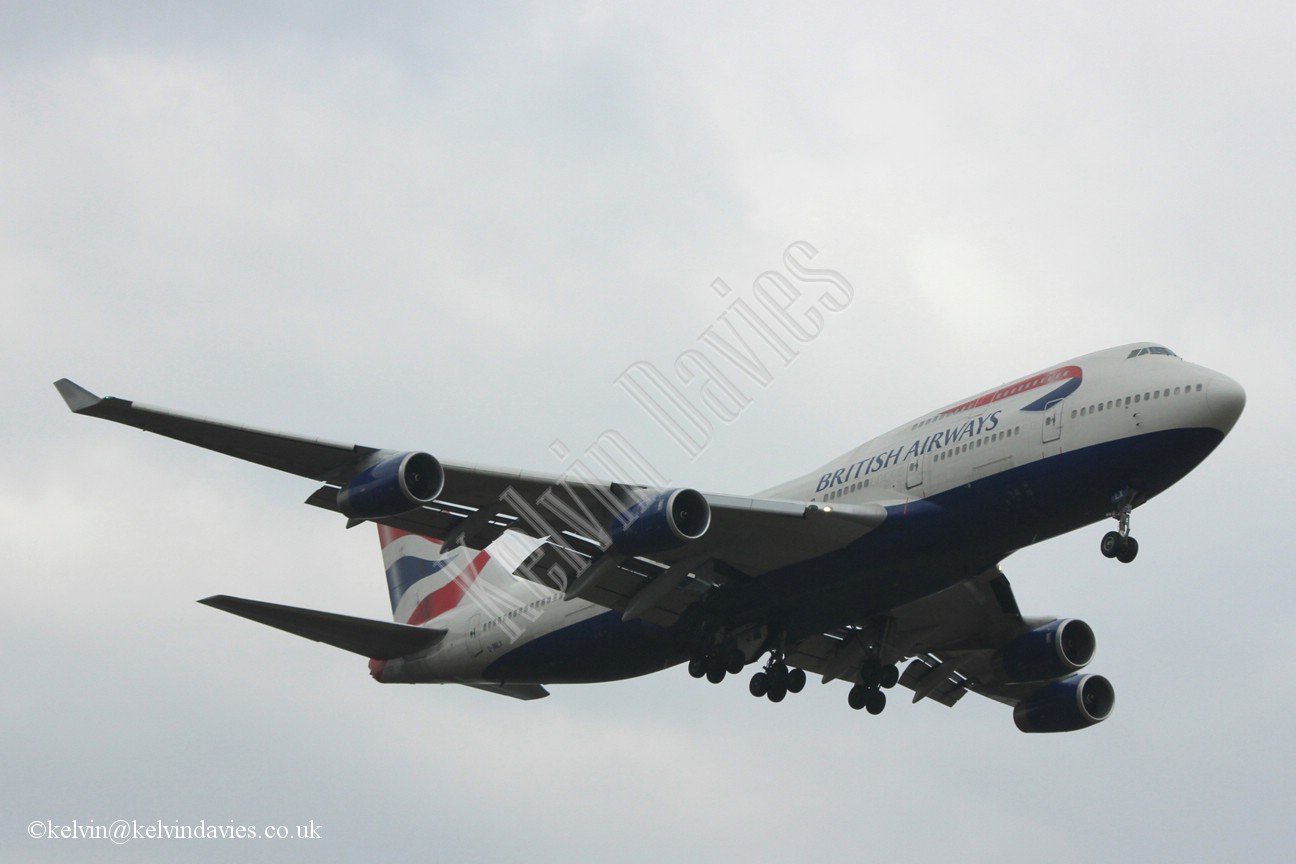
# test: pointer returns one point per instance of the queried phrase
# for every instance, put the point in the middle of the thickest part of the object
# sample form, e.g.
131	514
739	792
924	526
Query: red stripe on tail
448	596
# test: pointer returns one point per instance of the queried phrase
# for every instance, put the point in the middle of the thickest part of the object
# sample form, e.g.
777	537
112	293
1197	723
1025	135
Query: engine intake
665	521
395	485
1052	651
1064	706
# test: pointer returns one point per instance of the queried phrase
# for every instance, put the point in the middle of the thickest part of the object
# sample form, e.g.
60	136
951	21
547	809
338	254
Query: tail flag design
424	581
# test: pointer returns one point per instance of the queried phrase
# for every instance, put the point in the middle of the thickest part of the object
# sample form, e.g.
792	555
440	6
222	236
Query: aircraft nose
1226	399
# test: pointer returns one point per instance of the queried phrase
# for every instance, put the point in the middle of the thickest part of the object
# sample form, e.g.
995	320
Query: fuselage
963	486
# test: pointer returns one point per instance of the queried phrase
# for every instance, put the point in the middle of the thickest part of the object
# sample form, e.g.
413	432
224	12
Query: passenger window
1136	398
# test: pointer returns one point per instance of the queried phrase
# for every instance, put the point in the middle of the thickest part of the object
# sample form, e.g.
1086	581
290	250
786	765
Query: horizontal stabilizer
517	691
379	640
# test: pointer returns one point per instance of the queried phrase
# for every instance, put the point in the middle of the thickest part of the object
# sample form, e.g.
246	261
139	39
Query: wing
745	537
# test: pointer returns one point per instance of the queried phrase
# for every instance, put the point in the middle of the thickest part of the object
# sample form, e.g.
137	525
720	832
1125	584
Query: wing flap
379	640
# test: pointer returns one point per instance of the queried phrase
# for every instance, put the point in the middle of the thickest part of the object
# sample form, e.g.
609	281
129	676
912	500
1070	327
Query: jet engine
1052	651
1064	706
395	485
665	521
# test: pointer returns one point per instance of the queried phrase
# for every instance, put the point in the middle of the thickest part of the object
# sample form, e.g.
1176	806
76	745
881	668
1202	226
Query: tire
1111	544
736	661
857	697
697	667
796	680
890	676
778	677
759	685
1128	551
876	702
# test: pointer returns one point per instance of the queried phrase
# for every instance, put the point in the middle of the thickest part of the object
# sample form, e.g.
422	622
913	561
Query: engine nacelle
1052	651
666	521
1064	706
393	486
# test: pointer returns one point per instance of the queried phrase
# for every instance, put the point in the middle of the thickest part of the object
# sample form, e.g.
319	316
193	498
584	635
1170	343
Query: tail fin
425	580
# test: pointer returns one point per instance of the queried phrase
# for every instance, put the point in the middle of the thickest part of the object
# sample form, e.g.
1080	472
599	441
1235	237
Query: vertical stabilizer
408	559
426	580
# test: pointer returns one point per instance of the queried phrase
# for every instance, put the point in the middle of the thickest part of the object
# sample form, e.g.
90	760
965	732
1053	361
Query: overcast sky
456	230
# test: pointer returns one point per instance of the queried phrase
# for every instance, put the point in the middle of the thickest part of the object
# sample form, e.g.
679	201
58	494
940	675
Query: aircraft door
914	473
1053	421
474	635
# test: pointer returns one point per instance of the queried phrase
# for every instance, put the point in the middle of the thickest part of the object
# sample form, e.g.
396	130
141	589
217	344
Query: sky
462	228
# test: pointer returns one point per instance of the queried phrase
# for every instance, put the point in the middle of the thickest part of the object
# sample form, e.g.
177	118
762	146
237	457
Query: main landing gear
777	680
717	662
873	679
1119	544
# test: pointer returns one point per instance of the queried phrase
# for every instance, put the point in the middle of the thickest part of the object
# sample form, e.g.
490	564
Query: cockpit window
1152	349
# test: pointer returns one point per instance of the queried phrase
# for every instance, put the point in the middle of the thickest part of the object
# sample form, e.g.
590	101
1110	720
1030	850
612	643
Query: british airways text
951	435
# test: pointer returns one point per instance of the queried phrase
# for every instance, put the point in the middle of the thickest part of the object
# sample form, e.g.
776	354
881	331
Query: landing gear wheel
736	661
858	696
716	667
1128	550
697	667
796	680
876	702
890	676
759	685
1111	544
776	676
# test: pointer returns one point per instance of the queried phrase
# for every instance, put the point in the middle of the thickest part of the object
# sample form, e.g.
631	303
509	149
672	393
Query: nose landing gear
1119	544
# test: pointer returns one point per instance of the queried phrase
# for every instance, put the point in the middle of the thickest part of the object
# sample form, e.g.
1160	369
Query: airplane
509	581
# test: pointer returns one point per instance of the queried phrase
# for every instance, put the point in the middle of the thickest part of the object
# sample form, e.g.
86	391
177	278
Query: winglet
77	397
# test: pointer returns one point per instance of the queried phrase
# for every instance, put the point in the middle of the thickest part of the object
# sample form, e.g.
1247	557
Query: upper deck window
1152	349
